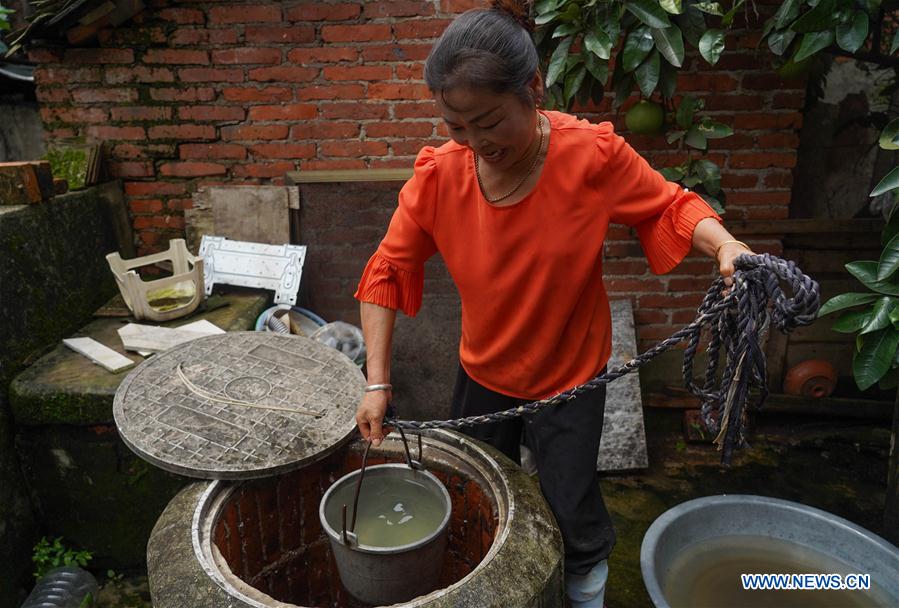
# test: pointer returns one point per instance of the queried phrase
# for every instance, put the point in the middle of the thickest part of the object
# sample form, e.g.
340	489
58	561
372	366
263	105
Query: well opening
267	532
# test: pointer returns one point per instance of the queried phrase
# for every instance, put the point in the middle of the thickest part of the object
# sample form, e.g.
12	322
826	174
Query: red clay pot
811	378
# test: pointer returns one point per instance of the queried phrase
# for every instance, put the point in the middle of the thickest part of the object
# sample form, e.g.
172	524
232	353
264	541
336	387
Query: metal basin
715	517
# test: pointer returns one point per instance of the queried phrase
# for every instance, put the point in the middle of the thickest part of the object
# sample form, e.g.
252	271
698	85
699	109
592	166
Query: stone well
259	542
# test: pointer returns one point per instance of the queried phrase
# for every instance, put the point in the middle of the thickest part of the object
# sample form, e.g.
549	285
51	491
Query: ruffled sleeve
663	213
394	275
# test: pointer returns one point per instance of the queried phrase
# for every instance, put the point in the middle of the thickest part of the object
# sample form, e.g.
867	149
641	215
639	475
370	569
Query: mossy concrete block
64	387
89	488
54	272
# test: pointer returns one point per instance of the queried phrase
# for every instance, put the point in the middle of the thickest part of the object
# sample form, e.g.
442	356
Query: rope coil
737	324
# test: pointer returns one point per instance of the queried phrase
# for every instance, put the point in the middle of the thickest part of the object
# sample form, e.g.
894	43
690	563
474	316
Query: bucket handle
349	536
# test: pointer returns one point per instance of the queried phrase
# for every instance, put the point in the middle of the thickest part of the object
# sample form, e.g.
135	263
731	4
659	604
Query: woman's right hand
370	415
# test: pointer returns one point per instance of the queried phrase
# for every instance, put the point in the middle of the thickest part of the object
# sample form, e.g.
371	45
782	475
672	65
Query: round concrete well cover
232	410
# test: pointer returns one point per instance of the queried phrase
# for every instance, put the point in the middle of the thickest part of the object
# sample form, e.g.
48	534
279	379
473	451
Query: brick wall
192	93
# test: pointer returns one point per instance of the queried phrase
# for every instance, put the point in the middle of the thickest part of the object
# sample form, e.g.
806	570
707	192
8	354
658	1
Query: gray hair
483	48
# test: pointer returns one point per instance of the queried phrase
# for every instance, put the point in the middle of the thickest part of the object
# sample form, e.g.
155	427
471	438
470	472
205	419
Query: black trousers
565	442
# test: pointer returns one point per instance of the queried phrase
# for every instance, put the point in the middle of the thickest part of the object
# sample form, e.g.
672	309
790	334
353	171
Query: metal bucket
711	517
385	575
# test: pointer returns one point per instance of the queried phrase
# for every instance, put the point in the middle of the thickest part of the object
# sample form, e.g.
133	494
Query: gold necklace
477	169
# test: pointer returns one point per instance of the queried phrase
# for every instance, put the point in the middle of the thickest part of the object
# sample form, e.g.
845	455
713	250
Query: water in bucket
393	510
707	574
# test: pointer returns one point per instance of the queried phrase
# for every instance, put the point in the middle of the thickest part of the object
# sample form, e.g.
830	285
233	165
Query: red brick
138	113
324	130
39	55
411	147
158	221
667	301
104	95
354	148
131	37
179	204
331	165
634	285
683	317
623	267
263	170
181	132
415	71
269	94
358	72
399	129
300	111
706	82
740	160
357	111
340	91
398	8
789	101
396	52
123	133
731	180
649	316
779	140
211	75
233	151
205	113
143	150
329	55
138	74
182	15
196	37
192	169
692	284
416	110
61	133
769	213
459	6
73	115
739	101
766	82
52	95
247	56
87	56
276	34
780	179
245	13
254	132
58	75
151	205
759	198
176	56
131	169
283	150
623	250
151	188
355	33
319	11
187	94
417	29
283	74
398	91
736	61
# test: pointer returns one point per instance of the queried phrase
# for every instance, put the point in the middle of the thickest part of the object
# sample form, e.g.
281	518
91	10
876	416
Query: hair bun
518	10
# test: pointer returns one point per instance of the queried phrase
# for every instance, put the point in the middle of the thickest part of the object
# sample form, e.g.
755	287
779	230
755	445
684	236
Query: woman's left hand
726	255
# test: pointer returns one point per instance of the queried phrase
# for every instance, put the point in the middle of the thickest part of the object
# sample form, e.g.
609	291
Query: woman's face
499	128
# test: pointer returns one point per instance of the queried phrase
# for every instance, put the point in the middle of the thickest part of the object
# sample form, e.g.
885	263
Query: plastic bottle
64	587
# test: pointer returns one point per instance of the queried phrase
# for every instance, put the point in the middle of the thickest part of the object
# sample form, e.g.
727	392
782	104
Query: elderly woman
518	205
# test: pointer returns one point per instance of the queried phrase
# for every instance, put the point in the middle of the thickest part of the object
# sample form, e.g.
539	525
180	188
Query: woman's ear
536	88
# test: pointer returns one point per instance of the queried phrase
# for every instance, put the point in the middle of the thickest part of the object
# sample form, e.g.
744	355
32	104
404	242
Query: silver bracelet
378	387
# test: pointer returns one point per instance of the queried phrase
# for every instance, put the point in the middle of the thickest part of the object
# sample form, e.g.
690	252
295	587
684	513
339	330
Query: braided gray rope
737	324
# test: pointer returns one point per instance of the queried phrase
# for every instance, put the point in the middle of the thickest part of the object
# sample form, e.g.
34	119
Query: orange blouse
535	314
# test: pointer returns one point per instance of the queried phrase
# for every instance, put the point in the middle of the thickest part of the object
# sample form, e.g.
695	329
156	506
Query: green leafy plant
873	315
577	40
49	554
4	25
702	175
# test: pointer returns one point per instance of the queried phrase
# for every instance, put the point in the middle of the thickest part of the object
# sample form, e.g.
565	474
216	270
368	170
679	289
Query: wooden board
257	214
